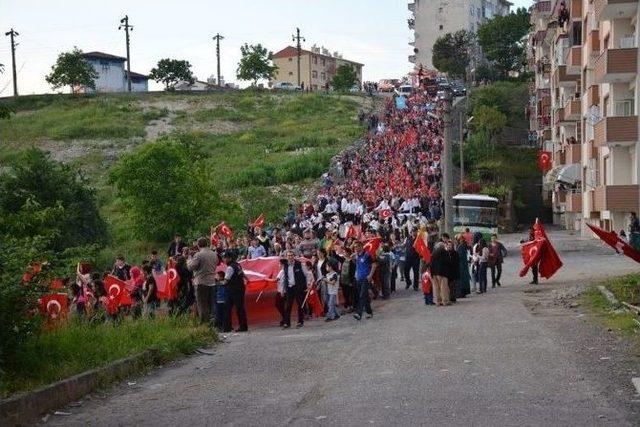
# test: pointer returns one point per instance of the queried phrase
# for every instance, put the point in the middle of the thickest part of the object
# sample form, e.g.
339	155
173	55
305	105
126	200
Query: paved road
492	360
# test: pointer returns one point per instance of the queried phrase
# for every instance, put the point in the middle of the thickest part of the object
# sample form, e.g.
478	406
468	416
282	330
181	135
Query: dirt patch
68	151
159	127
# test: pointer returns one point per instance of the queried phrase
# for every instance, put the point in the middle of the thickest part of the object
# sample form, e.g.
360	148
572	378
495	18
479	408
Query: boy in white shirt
333	286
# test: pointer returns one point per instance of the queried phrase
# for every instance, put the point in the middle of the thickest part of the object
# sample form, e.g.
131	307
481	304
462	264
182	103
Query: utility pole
462	124
217	38
297	39
447	172
13	33
124	23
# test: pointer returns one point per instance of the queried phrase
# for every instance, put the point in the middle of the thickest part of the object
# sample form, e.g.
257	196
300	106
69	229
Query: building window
290	59
441	27
291	73
324	62
323	76
472	10
473	28
315	60
314	74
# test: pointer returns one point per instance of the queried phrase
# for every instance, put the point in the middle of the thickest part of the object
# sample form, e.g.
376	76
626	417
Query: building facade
431	19
112	74
583	108
317	67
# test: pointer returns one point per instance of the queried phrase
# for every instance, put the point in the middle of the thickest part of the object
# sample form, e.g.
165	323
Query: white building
434	18
112	74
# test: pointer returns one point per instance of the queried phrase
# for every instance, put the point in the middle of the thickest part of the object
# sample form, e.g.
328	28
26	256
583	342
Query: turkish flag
54	306
613	240
225	230
544	160
314	302
371	246
259	222
116	290
420	245
531	254
167	283
385	214
351	232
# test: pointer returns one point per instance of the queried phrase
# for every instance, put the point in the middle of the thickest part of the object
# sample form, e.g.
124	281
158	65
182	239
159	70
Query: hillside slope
263	148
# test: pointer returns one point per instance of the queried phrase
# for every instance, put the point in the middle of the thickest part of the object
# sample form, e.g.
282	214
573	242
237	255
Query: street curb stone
609	296
25	408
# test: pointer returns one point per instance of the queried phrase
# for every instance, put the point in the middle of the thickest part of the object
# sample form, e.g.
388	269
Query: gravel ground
517	356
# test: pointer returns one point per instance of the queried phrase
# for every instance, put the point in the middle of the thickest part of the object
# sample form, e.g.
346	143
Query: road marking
636	383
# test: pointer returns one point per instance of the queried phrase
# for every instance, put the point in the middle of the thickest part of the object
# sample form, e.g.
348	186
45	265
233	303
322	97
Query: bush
304	166
162	191
42	197
259	174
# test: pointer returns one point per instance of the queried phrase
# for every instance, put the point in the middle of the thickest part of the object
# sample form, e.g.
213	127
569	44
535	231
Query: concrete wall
110	76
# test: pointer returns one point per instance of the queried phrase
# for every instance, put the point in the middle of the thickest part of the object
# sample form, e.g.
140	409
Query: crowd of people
385	190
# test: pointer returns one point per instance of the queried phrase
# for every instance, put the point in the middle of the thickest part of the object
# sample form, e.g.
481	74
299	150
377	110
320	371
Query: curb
23	409
609	296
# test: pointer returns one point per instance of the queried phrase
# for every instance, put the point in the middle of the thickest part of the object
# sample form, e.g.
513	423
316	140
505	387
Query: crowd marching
375	223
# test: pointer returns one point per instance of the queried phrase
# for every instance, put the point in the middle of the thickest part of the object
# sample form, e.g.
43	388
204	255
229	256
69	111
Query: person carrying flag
365	268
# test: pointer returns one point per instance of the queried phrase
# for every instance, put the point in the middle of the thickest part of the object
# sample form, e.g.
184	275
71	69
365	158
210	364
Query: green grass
625	288
81	346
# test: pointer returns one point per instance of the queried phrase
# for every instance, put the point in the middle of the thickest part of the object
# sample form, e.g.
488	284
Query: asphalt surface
511	357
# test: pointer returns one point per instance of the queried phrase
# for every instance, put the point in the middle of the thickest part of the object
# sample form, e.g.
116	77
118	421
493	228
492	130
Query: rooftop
102	55
290	51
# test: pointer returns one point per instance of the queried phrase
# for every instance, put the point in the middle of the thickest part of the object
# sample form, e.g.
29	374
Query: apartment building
431	19
583	108
317	66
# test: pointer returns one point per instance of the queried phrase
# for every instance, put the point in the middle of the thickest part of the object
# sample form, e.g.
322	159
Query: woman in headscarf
463	287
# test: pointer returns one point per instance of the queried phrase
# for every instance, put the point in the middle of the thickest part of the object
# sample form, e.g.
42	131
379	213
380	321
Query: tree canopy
452	53
255	63
163	189
72	70
172	71
502	40
345	78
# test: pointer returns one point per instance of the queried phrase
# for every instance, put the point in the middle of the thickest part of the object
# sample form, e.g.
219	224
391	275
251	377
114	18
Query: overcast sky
373	32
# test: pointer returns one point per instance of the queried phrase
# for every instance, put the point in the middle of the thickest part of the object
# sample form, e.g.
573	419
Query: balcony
412	7
559	158
616	65
614	9
412	23
542	7
412	59
593	95
561	196
616	131
559	117
593	42
592	150
576	10
617	198
573	203
546	135
572	110
563	78
574	60
573	154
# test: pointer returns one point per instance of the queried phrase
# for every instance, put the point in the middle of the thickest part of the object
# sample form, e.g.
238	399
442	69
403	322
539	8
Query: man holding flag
365	268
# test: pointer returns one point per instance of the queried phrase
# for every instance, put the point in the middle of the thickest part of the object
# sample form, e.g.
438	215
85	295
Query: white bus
477	212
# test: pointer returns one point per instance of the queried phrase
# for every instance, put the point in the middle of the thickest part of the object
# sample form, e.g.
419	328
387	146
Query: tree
42	197
452	52
255	63
72	70
172	71
163	190
503	40
345	78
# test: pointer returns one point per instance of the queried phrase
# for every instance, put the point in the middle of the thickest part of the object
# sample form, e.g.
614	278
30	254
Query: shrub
259	174
162	190
304	166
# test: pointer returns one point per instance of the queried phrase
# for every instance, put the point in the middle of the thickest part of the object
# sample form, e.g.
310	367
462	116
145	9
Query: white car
286	86
406	89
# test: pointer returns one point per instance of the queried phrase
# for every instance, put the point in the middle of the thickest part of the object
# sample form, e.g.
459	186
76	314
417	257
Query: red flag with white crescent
385	214
371	246
116	291
531	254
54	306
544	161
259	222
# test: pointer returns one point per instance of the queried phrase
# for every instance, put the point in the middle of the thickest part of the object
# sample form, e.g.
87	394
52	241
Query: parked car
354	89
286	86
458	90
406	89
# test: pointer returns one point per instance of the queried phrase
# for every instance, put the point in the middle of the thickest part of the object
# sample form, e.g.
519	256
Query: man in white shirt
293	280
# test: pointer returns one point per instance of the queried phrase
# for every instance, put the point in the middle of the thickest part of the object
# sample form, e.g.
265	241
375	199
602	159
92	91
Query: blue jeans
428	298
332	311
482	277
364	301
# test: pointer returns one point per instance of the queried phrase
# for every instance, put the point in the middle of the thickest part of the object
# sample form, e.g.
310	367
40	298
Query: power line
124	23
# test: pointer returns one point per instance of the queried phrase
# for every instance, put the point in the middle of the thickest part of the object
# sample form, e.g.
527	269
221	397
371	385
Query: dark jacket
440	262
172	251
410	252
298	275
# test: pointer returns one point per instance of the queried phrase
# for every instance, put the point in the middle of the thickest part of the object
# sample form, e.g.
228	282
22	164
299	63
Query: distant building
432	19
317	67
196	86
112	74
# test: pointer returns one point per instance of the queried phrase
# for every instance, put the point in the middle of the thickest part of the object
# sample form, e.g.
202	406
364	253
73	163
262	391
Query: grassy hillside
262	147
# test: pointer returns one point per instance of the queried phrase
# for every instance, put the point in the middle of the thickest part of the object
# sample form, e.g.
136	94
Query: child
332	290
148	291
221	307
426	288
